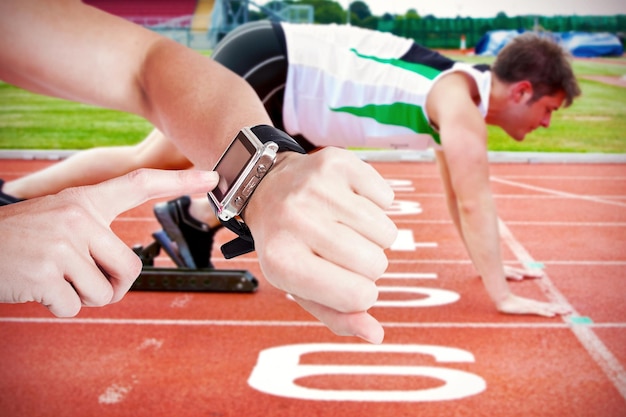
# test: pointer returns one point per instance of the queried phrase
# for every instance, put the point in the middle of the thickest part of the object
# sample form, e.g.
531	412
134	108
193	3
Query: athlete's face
527	116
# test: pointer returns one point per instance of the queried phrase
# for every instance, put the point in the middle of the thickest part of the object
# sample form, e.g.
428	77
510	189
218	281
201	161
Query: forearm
451	202
476	233
479	228
196	102
465	178
73	51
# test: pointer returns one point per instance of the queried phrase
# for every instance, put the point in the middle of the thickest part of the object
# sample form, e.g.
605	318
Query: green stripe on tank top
406	115
398	114
423	70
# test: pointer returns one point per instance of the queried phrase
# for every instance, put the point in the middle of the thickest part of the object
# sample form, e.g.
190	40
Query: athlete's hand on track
514	304
320	232
518	274
59	250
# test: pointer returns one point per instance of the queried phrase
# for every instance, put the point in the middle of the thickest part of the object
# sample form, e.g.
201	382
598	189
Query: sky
489	8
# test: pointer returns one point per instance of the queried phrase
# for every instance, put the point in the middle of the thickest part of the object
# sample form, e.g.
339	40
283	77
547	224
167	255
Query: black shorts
257	51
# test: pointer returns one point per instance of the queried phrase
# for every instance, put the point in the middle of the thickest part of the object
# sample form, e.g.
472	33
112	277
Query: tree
360	9
412	14
326	11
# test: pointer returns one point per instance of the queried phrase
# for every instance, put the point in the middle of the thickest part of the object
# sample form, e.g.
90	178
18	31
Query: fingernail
210	176
375	338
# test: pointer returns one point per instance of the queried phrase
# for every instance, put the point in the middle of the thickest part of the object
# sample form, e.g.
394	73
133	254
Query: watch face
233	163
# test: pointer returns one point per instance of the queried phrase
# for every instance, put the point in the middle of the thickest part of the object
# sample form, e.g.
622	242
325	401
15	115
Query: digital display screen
232	164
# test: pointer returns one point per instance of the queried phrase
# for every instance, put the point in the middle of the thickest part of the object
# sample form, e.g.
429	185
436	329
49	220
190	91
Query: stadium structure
200	24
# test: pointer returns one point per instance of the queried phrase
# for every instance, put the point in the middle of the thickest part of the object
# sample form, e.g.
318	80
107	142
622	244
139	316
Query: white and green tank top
352	87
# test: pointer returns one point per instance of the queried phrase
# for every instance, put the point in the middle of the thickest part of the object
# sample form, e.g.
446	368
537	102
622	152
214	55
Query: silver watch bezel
239	192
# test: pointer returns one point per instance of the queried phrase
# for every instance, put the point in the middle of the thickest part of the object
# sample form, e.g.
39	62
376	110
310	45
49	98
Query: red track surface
193	354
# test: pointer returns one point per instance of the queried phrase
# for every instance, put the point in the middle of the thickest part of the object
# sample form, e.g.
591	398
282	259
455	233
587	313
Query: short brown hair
540	60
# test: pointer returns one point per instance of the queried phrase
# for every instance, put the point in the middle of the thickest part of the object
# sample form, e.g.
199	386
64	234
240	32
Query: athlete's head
542	62
539	80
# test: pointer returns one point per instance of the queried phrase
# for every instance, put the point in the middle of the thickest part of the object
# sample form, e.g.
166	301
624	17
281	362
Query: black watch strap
240	245
244	243
267	133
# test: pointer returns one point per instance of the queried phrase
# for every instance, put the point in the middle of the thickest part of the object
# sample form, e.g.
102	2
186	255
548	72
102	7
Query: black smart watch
241	168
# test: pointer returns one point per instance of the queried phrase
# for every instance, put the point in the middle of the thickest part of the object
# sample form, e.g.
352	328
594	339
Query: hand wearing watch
246	161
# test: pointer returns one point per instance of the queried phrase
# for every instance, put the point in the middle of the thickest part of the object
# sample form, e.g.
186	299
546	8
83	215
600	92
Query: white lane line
434	221
521	223
280	323
467	262
447	262
586	263
590	341
560	193
568	224
409	275
569	177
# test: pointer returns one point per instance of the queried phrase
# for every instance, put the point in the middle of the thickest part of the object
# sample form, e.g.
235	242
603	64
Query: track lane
193	353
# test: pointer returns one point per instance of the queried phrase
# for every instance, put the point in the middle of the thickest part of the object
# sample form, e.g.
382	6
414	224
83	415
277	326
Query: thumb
118	195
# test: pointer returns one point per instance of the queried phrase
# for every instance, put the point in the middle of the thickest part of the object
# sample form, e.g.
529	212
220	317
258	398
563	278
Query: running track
446	351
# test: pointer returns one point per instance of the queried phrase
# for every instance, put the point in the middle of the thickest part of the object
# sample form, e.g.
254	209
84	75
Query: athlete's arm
67	49
451	201
510	272
466	180
73	51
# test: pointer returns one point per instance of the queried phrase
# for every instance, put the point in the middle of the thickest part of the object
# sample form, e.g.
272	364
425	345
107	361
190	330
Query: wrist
247	161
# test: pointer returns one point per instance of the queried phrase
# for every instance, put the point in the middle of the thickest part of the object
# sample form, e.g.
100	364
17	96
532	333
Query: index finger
118	195
360	324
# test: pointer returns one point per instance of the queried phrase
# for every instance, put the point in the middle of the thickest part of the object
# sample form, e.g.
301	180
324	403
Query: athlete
347	86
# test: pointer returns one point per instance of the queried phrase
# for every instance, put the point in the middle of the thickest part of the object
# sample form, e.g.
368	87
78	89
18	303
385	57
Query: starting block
186	279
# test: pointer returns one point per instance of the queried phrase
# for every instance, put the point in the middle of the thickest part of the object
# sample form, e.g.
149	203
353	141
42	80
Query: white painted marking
524	223
278	371
401	185
408	275
150	343
568	177
559	193
592	343
276	323
181	301
404	208
114	394
405	242
429	297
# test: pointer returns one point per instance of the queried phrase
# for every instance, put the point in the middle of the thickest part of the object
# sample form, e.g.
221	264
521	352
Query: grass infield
596	122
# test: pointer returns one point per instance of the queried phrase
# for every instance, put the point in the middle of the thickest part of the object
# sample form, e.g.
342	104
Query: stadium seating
146	11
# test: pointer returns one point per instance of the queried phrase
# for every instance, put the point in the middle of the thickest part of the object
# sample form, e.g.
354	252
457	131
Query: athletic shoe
6	199
193	239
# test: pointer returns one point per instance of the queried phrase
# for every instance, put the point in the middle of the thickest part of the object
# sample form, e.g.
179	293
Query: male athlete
345	86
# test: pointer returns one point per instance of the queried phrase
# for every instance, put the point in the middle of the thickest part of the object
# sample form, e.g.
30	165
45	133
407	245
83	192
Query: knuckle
389	233
371	263
71	214
100	298
63	249
379	264
134	267
139	177
277	263
47	274
359	299
333	159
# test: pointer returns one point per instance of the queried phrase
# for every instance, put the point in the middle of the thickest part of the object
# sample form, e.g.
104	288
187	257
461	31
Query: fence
446	33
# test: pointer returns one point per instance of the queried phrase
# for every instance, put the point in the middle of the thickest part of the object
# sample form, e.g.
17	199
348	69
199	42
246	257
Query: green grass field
596	122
